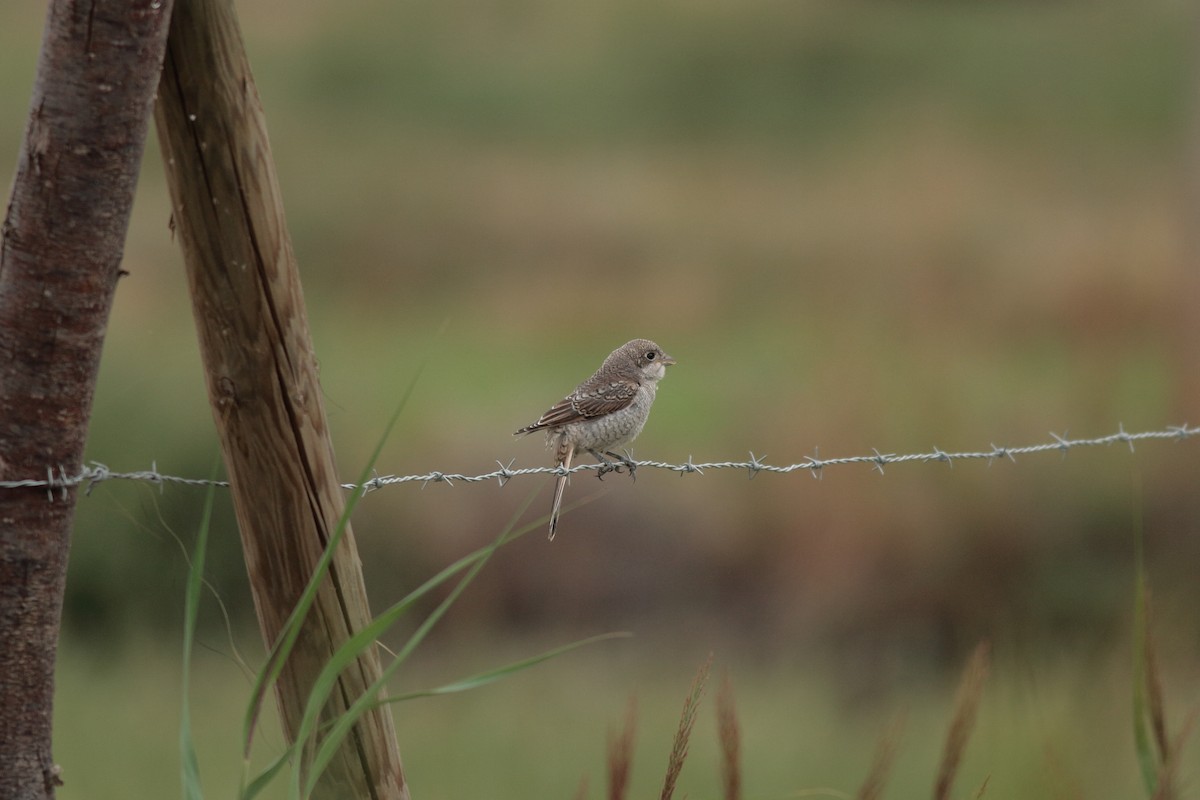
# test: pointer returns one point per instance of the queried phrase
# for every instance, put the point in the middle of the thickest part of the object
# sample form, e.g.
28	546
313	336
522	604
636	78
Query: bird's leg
626	460
606	466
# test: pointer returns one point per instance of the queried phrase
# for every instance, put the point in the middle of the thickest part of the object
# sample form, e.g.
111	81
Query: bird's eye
651	355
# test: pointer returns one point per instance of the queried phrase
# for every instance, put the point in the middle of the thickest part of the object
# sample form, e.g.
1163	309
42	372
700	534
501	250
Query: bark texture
60	256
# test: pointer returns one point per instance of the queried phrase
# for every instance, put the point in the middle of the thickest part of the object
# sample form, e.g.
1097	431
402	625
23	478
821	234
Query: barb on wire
96	473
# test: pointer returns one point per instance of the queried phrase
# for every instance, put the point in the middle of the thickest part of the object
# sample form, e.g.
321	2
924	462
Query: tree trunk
60	255
262	380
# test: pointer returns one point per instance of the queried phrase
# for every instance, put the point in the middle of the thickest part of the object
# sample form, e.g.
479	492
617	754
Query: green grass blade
291	631
326	682
1147	759
368	700
264	778
342	725
190	765
493	675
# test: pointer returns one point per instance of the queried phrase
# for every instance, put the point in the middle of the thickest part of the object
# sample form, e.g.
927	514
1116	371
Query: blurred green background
856	225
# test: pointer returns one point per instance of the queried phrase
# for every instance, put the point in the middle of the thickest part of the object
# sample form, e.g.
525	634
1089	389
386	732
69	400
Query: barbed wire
96	473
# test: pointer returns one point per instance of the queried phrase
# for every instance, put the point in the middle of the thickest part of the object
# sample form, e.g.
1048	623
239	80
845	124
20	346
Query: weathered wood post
262	377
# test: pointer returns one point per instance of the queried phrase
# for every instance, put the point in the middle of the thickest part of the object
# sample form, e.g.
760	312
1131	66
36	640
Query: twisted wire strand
96	473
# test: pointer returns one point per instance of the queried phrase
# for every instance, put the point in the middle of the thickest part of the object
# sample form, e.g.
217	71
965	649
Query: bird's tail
560	487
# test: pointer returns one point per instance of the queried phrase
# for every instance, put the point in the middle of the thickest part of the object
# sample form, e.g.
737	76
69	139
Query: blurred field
1042	731
856	225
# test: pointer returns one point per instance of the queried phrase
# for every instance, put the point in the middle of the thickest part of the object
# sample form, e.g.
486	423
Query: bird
606	411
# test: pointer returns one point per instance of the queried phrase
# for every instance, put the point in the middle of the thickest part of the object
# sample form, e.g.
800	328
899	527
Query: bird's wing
587	402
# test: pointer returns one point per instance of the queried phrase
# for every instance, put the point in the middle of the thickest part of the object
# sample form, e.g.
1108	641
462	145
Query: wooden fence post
262	378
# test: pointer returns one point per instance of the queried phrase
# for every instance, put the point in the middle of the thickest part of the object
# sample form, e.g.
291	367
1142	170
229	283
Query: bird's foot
626	461
606	467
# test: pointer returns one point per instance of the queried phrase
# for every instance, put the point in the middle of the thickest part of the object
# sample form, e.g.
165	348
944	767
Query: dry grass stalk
1166	789
966	704
731	739
885	756
683	735
620	754
1168	750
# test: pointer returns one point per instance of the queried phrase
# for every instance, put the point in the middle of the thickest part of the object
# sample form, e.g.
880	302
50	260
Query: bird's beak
667	360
